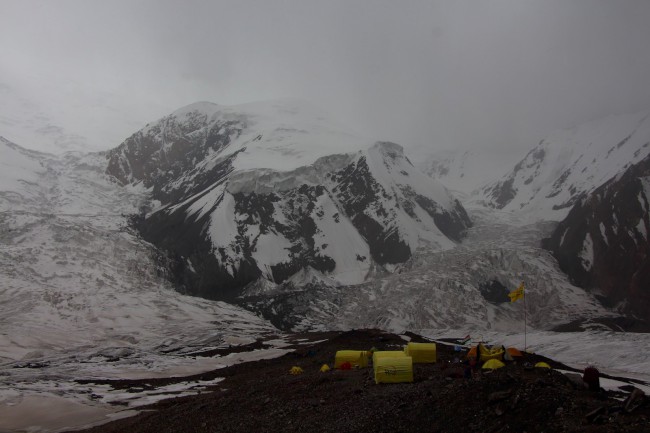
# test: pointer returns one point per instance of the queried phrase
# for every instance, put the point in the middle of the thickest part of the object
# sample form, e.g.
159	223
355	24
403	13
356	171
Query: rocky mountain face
603	242
569	165
273	191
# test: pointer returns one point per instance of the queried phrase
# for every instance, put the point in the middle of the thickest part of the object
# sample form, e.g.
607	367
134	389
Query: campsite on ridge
441	398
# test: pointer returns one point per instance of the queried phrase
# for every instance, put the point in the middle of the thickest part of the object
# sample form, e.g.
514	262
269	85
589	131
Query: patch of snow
587	253
641	228
342	242
603	234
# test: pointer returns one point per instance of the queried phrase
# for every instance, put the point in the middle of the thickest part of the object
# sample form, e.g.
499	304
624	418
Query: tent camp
356	358
421	352
393	370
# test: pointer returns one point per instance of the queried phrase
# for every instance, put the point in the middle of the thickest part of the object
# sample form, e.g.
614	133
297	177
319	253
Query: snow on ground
615	353
49	397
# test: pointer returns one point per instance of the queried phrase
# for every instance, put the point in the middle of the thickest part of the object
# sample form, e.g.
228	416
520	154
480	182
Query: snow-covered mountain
603	243
75	277
271	190
568	165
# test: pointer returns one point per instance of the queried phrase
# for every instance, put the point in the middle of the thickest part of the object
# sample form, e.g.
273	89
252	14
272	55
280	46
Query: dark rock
499	395
576	380
634	400
603	245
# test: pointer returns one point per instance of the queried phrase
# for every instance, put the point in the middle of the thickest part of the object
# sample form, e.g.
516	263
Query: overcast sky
496	74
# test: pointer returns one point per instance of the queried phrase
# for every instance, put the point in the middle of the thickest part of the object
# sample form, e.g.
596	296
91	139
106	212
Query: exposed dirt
262	396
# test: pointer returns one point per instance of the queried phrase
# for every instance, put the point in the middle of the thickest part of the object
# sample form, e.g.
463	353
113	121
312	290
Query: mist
496	76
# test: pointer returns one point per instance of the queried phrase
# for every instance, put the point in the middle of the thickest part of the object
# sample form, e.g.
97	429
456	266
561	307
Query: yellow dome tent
493	364
296	370
487	354
542	364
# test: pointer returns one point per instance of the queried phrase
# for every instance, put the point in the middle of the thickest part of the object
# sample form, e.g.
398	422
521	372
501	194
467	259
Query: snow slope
19	169
75	277
570	164
465	170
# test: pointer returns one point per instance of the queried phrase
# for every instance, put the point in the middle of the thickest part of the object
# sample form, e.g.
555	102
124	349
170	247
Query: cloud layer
498	74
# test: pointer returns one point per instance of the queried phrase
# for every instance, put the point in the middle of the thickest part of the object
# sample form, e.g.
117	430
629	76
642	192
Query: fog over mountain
496	75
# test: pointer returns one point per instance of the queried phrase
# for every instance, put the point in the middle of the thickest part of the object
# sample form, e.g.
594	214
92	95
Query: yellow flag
517	294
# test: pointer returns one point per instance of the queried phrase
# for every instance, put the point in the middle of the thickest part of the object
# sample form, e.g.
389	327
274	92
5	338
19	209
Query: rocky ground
262	396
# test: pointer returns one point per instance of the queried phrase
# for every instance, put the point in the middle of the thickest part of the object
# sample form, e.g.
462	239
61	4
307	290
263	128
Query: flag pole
525	318
516	295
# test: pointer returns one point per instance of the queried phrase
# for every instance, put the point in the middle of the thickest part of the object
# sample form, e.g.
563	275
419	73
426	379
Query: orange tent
513	351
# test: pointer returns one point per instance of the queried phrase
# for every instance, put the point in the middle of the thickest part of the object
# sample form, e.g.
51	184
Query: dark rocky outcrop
603	242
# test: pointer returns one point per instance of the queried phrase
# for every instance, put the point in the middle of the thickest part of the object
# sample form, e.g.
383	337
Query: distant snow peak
568	165
465	170
268	190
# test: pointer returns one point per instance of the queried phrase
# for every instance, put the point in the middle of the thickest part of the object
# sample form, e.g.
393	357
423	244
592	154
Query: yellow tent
487	354
387	354
493	364
393	370
325	368
542	364
421	352
295	370
356	358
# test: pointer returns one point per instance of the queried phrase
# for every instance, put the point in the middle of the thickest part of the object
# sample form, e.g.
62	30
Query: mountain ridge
568	165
